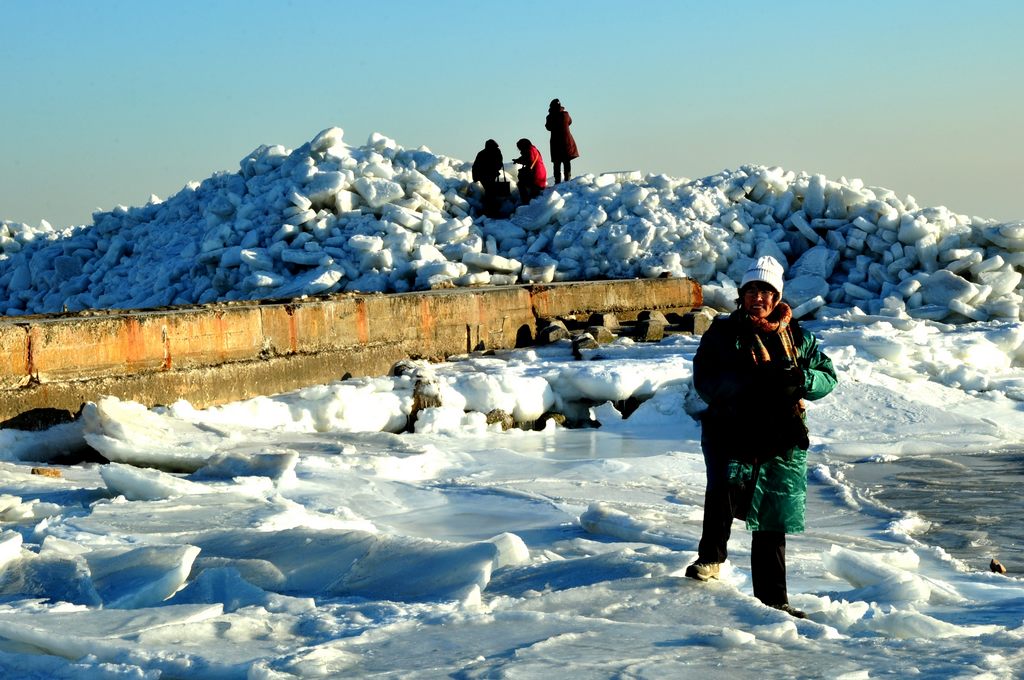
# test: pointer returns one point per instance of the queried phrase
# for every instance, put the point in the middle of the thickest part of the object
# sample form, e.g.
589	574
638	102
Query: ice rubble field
329	217
300	535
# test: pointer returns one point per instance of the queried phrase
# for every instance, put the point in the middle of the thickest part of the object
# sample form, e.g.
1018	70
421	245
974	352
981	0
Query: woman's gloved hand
791	380
779	379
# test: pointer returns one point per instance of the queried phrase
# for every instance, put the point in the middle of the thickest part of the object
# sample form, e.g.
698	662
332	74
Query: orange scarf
776	331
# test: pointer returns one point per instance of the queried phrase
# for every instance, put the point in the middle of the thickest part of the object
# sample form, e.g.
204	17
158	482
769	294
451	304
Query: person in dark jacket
533	176
563	146
486	166
754	368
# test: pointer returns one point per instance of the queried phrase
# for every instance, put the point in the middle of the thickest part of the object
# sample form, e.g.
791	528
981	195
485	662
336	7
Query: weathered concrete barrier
219	353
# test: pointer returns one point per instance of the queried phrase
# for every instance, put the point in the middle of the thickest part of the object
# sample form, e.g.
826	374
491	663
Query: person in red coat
533	177
563	146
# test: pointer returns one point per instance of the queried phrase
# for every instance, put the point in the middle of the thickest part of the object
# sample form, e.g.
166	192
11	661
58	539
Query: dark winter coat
563	146
754	425
487	165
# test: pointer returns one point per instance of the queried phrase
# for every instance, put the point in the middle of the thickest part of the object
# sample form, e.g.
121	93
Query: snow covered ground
311	534
303	536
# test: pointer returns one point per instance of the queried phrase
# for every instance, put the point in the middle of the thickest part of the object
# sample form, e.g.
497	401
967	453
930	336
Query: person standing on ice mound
486	166
533	177
754	368
563	146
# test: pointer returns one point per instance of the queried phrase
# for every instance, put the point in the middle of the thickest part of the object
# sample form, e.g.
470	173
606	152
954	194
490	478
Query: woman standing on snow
753	368
563	146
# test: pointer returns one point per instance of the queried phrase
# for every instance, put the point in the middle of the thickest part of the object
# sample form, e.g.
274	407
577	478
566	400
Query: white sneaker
703	571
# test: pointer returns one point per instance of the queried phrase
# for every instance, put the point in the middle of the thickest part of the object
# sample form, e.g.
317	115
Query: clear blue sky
105	102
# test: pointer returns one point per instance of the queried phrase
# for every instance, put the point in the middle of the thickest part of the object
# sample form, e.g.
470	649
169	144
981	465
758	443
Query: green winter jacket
747	420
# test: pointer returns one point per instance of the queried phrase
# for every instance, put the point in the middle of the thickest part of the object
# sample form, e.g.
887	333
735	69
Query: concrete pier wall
220	353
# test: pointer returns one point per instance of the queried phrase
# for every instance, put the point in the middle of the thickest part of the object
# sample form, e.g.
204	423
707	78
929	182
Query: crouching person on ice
754	368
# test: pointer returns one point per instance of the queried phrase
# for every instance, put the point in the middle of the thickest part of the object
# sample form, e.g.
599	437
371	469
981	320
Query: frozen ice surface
319	548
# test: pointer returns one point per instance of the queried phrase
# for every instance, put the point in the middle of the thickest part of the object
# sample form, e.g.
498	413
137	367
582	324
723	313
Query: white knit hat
767	270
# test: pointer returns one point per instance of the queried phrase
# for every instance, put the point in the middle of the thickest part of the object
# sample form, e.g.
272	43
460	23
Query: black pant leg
768	567
717	524
557	165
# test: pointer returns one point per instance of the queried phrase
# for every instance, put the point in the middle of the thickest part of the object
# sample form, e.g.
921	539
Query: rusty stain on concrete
362	321
427	321
293	330
165	342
